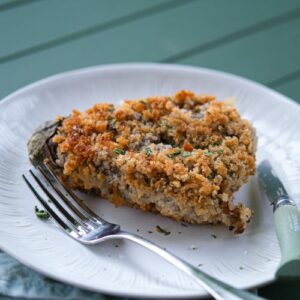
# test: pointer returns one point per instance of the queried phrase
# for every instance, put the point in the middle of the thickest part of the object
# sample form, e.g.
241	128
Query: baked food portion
182	156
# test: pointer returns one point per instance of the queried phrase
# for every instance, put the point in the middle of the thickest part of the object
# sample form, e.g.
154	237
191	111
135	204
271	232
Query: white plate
244	261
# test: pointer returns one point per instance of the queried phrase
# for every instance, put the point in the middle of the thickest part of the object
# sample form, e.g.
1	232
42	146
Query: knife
287	221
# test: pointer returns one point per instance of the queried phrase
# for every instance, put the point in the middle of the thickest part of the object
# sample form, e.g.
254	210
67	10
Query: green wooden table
257	39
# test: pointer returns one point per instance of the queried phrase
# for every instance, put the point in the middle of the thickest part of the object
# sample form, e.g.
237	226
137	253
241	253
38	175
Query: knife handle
287	223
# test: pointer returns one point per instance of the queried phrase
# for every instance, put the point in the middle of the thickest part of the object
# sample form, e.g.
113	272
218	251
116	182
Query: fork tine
76	200
44	203
62	192
77	223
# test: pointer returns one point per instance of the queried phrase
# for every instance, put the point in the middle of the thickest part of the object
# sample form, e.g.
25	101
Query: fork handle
218	289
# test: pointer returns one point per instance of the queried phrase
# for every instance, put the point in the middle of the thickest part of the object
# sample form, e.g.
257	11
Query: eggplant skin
182	156
38	144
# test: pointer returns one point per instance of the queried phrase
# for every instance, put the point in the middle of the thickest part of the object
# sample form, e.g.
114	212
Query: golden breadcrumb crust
183	156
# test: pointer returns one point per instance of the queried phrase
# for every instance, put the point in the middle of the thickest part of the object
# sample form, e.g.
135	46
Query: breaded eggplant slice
182	156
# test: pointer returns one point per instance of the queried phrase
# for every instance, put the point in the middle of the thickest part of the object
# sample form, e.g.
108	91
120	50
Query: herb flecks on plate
161	230
41	213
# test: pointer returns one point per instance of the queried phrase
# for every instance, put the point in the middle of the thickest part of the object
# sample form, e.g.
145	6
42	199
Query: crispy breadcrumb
182	156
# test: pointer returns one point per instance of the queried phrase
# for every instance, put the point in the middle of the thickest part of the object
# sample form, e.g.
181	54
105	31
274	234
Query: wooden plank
291	89
263	57
11	4
42	21
4	2
150	39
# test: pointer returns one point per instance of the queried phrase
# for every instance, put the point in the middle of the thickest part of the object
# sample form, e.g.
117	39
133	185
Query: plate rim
135	65
149	65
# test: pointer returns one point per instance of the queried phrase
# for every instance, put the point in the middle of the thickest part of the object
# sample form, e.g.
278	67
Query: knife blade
287	221
270	182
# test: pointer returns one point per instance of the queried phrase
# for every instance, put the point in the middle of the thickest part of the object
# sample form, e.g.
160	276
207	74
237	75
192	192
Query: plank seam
234	36
94	29
284	79
15	4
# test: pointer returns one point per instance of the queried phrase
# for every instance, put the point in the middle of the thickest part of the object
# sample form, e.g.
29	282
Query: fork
83	225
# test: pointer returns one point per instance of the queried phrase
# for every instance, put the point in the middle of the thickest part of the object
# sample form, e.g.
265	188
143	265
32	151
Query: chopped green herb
119	151
219	151
111	109
112	122
161	230
216	143
42	214
186	154
148	151
170	98
210	177
207	153
143	101
214	236
175	153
